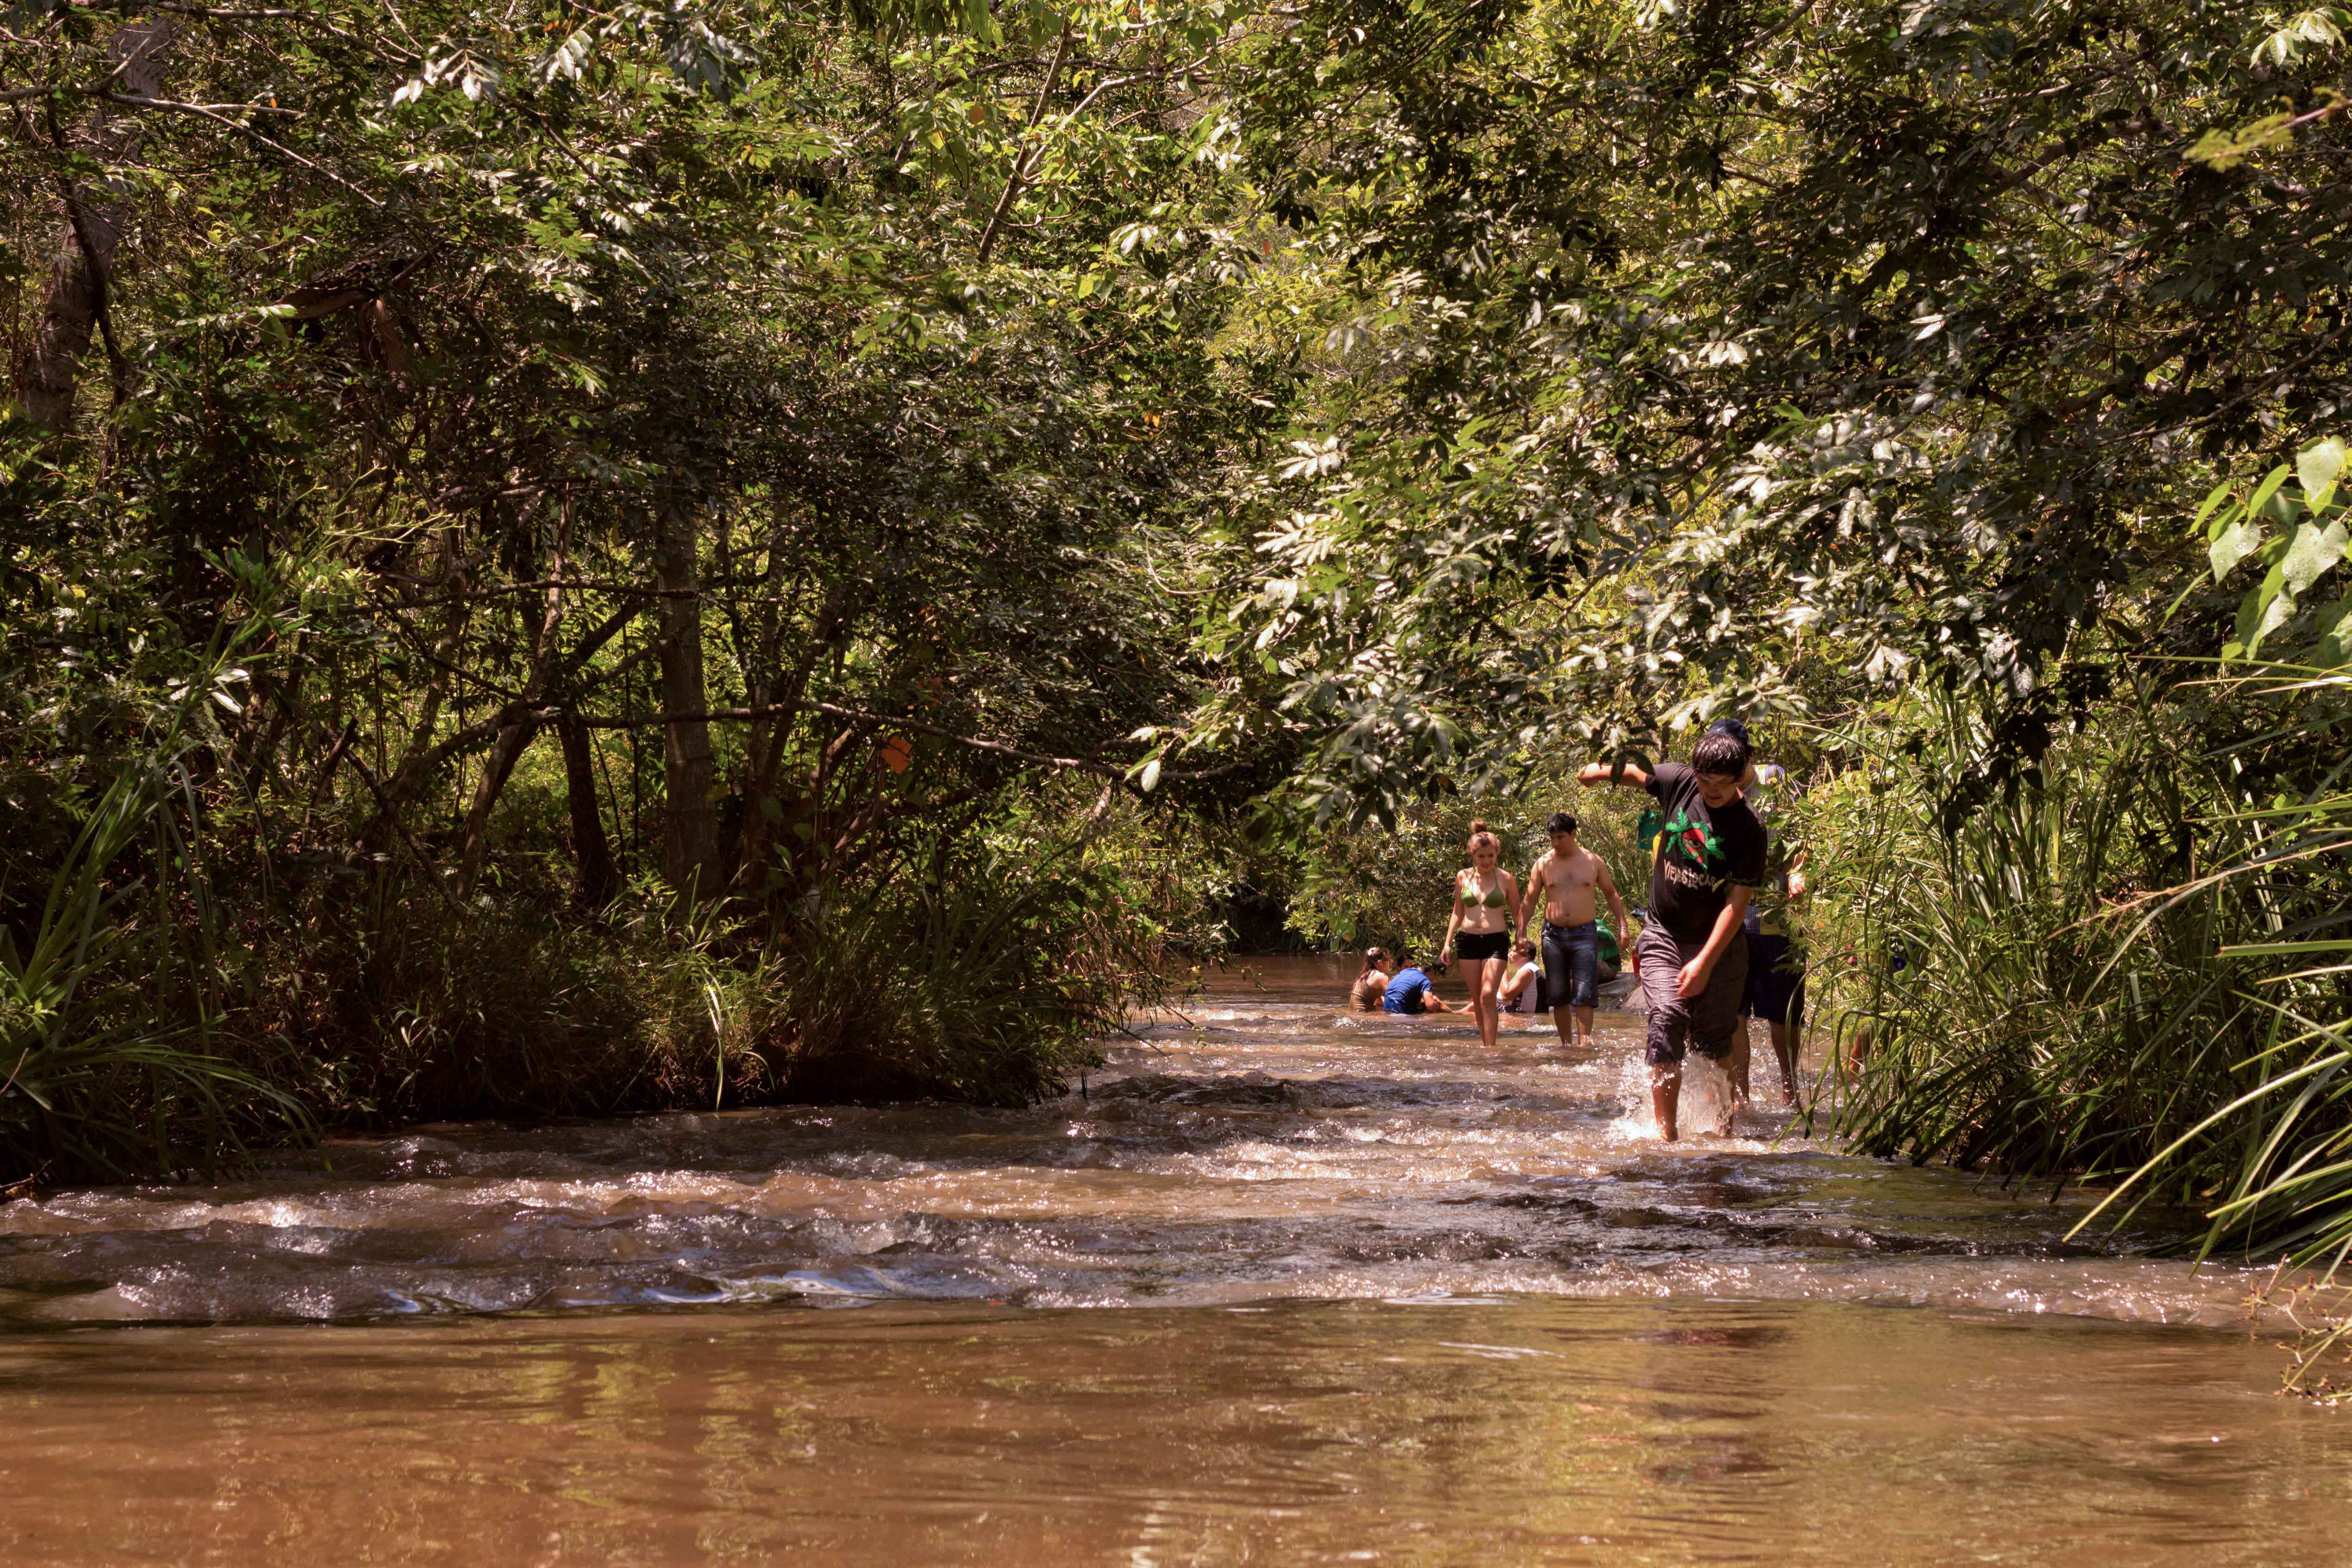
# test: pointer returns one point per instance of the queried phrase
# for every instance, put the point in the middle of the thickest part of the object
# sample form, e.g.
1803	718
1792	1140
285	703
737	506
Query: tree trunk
513	740
83	266
598	879
690	816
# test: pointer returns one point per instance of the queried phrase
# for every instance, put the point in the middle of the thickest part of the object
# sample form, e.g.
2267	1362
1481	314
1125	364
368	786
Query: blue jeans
1572	961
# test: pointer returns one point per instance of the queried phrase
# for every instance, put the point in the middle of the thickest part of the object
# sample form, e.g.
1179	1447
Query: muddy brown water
1284	1286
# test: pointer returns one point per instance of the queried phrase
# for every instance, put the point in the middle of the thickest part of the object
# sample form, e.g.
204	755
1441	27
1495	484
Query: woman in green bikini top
1484	895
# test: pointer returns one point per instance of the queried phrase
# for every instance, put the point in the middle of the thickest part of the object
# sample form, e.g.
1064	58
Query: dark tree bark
599	881
82	271
514	739
690	817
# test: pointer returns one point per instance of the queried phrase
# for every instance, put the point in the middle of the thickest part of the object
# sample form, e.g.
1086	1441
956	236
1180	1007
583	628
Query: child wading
1692	960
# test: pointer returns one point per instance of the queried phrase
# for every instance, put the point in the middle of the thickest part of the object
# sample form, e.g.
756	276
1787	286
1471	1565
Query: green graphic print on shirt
1696	837
1707	851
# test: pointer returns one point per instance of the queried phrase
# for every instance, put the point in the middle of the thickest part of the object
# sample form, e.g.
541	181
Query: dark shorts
1708	1021
1473	946
1572	961
1776	983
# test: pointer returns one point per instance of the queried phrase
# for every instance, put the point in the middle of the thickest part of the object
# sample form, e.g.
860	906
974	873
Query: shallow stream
1357	1290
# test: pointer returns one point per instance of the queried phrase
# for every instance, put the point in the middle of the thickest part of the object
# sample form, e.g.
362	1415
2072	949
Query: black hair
1721	753
1561	822
1734	729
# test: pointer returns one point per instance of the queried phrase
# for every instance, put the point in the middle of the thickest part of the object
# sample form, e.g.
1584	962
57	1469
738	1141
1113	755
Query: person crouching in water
1691	958
1523	982
1371	981
1485	898
1410	992
1570	880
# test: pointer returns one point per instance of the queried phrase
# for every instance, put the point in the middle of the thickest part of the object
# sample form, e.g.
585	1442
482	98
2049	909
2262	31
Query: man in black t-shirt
1709	860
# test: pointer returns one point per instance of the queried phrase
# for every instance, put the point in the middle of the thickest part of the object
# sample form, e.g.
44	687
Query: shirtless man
1565	879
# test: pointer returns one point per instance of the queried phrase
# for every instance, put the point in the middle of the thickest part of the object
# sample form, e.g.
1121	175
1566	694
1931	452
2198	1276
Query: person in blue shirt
1409	992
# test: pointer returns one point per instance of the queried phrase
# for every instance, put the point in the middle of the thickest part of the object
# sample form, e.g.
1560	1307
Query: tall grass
2128	968
171	998
986	974
109	1008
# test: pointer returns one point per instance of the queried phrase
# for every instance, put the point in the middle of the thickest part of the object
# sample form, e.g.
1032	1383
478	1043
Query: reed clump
2127	966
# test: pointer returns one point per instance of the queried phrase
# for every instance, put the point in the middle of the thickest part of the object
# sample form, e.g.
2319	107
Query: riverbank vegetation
578	559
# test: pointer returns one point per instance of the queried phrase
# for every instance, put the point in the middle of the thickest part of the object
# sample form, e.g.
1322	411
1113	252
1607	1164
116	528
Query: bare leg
1584	1026
1486	983
1735	1068
1559	1020
1666	1093
1784	1052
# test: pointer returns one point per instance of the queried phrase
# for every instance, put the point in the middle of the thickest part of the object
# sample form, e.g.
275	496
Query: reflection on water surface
1363	1290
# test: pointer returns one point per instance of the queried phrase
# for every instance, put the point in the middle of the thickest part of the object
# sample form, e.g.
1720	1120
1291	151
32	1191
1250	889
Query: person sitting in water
1410	992
1523	986
1371	981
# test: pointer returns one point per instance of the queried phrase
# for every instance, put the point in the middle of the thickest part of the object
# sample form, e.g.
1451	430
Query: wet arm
1452	920
1625	943
1534	891
1624	775
1726	925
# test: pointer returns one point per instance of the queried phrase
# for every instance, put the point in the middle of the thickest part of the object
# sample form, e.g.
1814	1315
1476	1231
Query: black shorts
1776	983
1473	947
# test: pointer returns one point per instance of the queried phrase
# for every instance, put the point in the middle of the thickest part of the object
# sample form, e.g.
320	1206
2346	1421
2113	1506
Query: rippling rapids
1339	1259
1266	1144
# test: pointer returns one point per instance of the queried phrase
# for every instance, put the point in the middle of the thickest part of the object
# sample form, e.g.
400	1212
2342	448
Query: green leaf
2315	549
2235	543
2220	493
2266	489
2270	604
2318	466
2224	149
2267	949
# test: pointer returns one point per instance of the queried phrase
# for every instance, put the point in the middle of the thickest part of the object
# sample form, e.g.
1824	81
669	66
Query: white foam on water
1298	1155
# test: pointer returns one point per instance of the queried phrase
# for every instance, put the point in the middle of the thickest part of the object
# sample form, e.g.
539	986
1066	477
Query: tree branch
1028	149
